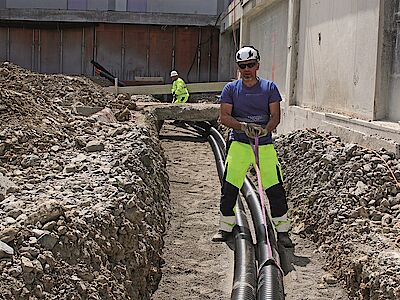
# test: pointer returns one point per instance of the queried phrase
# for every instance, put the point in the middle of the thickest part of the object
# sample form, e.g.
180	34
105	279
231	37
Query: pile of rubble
347	198
82	202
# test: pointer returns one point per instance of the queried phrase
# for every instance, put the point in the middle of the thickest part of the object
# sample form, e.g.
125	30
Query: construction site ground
102	206
196	268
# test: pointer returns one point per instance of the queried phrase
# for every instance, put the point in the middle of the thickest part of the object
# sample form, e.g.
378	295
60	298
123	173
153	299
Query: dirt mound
82	202
347	198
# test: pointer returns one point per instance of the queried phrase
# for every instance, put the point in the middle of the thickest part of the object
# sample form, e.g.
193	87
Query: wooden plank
166	88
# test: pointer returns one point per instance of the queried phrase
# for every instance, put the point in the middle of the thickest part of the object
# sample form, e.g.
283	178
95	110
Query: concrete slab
97	16
183	112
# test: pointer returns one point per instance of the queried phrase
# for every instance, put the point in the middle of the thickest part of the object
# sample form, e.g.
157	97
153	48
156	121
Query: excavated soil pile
82	201
347	199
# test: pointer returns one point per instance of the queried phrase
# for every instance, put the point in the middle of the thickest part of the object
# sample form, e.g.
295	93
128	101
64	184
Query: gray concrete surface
342	63
51	15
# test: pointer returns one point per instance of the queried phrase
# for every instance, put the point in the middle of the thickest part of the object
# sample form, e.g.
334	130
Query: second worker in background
180	93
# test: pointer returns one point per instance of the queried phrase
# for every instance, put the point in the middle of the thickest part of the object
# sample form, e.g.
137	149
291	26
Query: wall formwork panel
126	51
72	41
4	46
186	41
160	51
21	47
136	51
108	47
50	51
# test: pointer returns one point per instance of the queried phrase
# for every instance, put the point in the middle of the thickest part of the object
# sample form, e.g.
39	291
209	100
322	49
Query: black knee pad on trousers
277	200
229	194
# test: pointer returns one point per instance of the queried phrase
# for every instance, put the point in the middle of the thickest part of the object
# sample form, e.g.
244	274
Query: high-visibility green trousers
239	158
182	98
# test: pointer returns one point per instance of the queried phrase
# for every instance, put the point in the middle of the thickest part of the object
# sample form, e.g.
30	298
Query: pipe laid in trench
244	279
270	277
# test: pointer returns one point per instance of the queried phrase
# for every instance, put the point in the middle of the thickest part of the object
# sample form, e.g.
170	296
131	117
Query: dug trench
93	209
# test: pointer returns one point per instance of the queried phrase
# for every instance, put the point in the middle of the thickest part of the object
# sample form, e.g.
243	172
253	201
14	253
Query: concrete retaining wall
341	71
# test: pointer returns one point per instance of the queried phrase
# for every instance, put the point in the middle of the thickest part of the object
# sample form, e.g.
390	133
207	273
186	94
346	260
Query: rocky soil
347	199
82	200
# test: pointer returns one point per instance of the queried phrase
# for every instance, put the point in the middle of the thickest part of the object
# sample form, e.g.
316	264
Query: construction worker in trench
250	106
180	93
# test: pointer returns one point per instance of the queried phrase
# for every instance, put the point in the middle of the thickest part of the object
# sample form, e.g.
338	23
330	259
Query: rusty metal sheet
72	51
214	55
125	50
88	50
186	42
205	52
161	44
21	47
108	47
3	43
136	47
50	47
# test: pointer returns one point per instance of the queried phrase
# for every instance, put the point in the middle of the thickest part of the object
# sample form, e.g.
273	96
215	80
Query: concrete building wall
43	4
204	7
77	4
137	5
337	59
121	5
394	96
343	64
268	33
97	4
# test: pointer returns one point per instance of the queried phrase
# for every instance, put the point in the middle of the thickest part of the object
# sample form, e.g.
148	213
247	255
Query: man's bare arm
225	116
275	117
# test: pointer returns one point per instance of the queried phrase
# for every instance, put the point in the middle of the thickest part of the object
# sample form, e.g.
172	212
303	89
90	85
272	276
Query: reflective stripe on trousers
240	157
227	223
282	224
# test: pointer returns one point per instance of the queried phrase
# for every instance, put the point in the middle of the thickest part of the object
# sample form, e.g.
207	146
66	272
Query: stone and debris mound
347	199
82	202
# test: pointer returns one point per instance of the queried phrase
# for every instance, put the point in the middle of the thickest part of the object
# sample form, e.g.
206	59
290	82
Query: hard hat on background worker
247	53
174	73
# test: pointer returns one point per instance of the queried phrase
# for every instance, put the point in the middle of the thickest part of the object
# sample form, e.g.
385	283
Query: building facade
130	38
335	61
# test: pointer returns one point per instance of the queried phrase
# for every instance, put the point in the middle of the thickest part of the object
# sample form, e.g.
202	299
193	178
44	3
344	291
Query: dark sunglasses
249	65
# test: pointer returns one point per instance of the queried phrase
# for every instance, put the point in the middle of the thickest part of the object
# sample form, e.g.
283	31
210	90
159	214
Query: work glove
253	130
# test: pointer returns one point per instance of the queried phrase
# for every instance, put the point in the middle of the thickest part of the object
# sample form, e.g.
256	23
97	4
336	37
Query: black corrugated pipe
270	277
244	279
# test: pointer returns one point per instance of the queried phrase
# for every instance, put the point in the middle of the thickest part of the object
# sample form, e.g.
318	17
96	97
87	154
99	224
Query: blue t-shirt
250	105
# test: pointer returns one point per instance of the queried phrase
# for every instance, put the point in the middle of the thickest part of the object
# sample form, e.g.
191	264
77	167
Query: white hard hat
247	53
174	73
